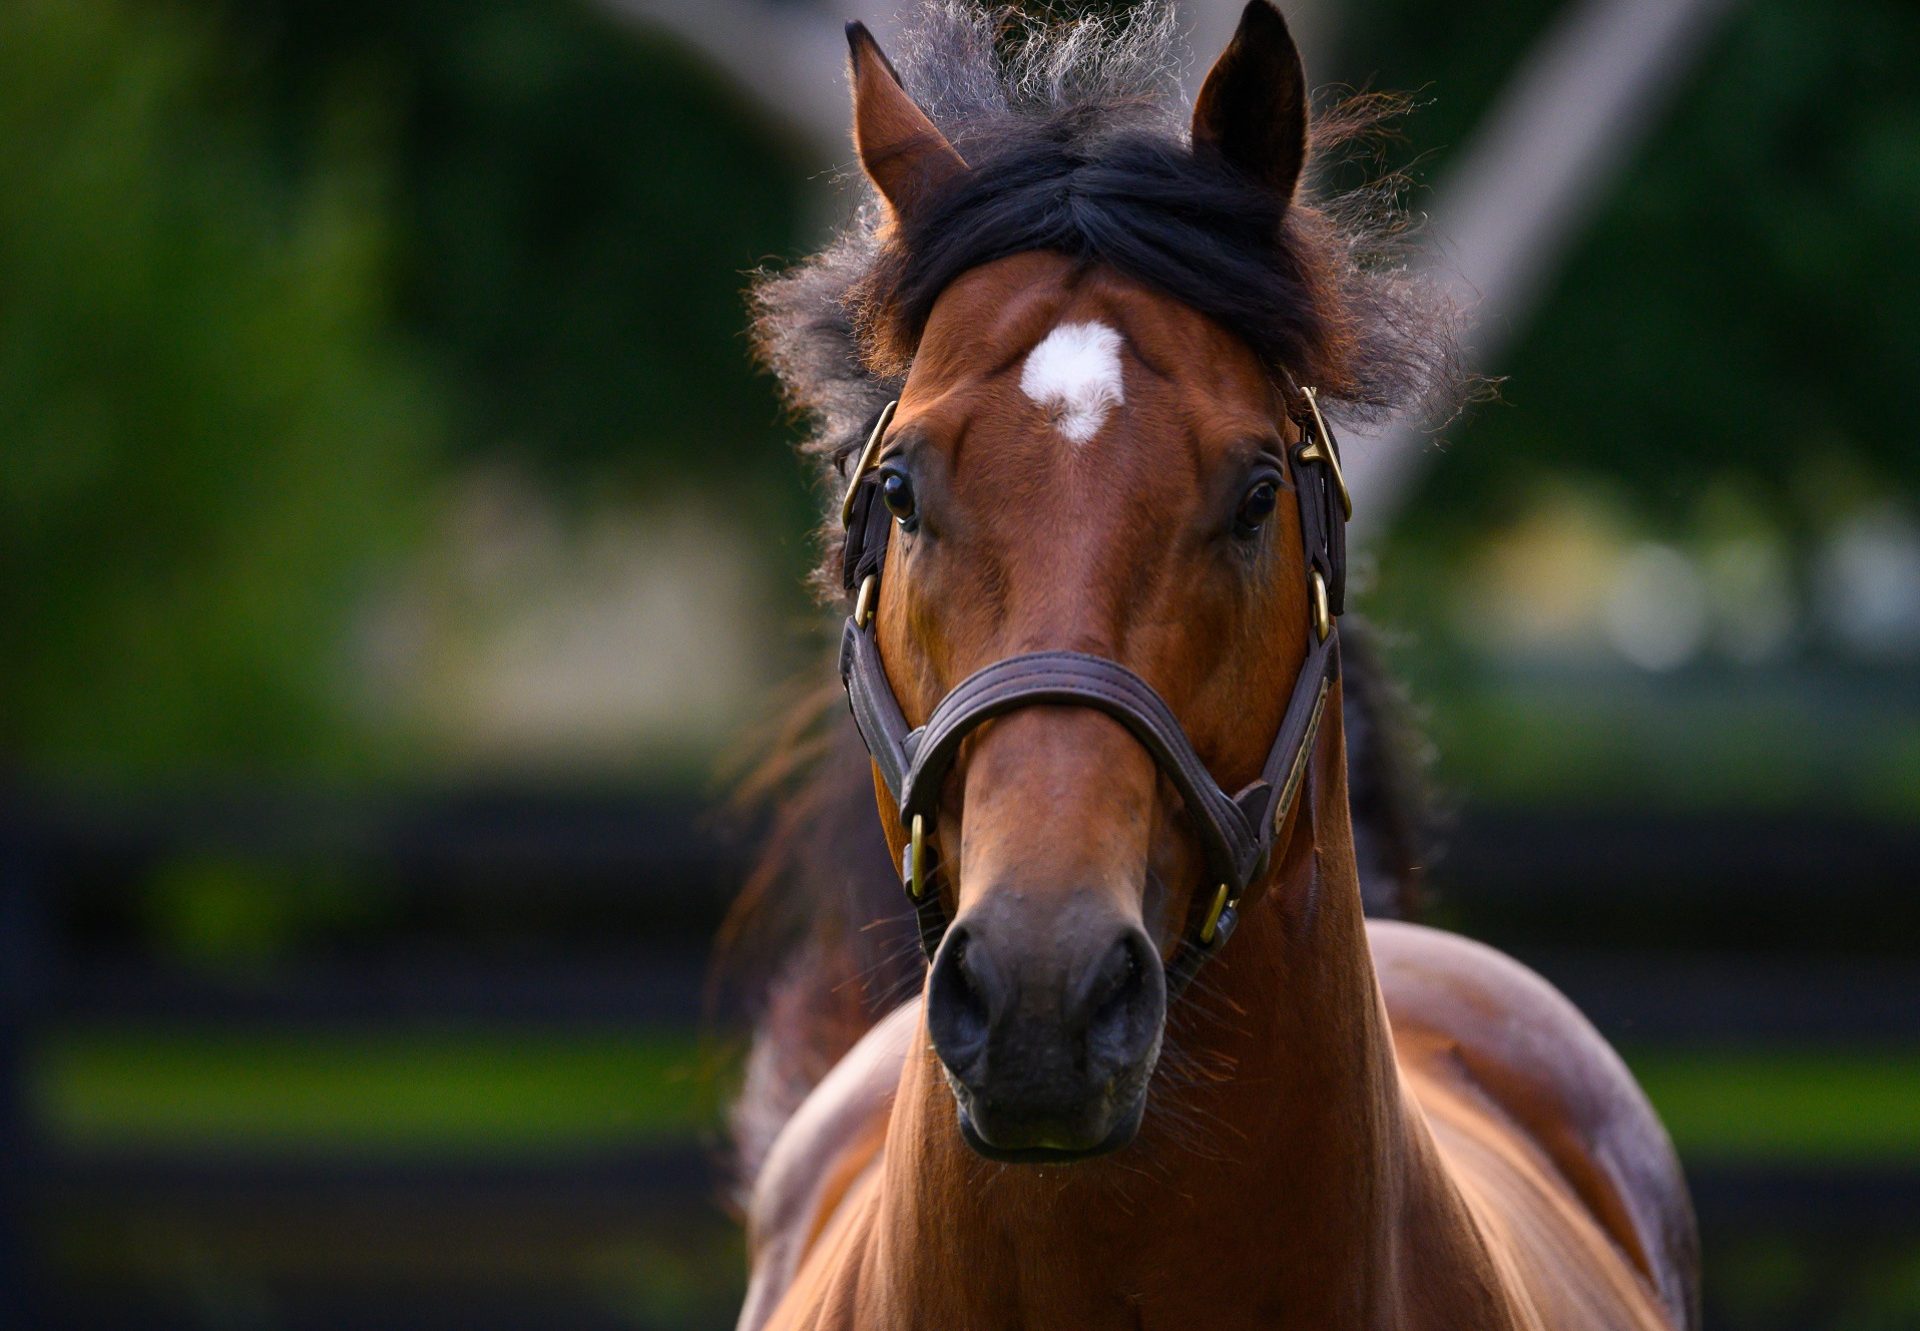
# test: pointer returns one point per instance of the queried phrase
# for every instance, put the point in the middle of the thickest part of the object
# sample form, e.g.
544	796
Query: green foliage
1733	330
210	431
579	206
270	272
1743	304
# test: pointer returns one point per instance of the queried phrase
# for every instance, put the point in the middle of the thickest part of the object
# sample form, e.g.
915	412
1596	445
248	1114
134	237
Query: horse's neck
1270	1183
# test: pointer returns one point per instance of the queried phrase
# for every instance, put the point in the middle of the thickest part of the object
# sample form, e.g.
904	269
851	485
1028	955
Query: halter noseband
1237	831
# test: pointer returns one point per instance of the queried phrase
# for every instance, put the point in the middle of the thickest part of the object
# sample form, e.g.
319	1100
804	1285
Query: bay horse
1159	1069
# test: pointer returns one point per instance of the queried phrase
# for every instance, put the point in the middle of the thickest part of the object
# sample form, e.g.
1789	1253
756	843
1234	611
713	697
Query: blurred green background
396	540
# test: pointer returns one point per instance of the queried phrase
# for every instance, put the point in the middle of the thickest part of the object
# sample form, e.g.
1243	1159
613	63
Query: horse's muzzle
1048	1041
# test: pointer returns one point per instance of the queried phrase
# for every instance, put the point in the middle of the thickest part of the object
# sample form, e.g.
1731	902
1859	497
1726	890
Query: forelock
1076	135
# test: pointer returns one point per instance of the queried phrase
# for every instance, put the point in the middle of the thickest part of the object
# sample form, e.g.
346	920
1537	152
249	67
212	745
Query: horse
1071	370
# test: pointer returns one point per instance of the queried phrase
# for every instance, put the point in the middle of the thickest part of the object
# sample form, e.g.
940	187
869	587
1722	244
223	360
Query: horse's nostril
1119	979
959	1000
1040	1036
1100	985
1126	1002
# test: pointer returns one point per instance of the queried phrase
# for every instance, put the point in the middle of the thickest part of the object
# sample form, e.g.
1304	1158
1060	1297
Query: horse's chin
1025	1149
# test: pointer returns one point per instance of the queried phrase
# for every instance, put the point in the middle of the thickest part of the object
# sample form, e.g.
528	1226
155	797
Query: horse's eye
1256	506
896	492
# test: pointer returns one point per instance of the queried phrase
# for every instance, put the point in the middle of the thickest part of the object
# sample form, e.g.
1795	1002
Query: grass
433	1093
529	1093
1795	1104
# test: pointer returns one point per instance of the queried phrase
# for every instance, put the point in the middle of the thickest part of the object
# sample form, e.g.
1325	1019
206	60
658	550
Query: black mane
1143	204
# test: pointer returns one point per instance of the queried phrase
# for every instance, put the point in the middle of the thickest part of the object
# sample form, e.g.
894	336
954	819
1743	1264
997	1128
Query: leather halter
1237	831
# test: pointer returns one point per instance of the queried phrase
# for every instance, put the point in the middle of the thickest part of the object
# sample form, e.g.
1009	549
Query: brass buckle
1322	617
1220	904
1320	449
1284	805
865	462
863	603
916	858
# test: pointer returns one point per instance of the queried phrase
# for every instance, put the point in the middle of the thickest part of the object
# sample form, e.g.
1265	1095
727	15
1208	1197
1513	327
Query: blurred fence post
22	956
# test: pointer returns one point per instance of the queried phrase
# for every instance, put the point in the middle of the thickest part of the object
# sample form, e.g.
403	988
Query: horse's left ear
1252	109
902	151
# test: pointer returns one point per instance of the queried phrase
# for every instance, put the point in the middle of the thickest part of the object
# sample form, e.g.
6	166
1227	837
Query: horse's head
1080	461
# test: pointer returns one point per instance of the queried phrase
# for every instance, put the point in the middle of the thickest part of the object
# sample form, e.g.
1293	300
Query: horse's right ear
903	153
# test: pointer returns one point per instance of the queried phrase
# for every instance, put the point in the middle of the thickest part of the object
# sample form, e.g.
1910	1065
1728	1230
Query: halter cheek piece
1237	831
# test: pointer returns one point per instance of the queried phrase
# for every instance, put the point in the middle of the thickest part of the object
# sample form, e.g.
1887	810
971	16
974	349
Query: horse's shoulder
1495	1033
1444	984
819	1155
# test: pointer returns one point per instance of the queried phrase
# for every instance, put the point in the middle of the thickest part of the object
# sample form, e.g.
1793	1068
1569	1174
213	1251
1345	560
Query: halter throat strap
1237	831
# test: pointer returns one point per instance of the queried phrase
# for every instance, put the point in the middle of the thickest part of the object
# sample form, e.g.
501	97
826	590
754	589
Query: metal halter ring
1322	617
916	874
863	603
